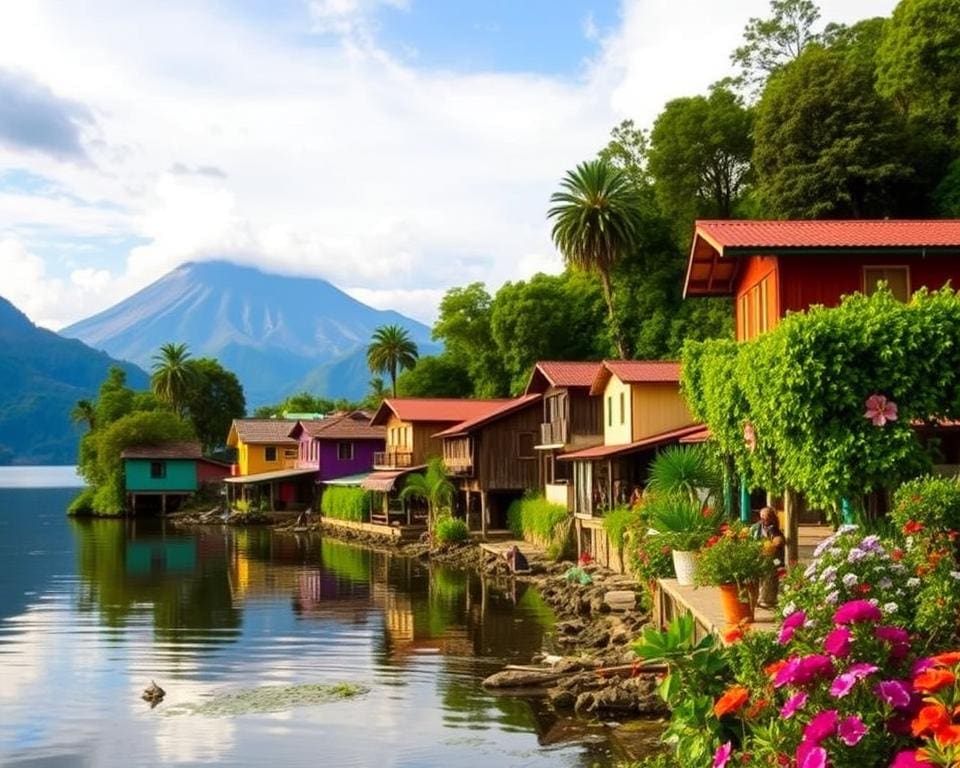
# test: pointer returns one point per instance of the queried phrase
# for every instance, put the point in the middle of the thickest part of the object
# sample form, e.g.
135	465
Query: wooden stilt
791	524
483	514
163	503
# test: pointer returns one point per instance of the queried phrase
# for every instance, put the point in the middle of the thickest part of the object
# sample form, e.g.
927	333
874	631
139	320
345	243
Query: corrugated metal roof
505	409
265	477
174	449
920	233
272	431
433	409
609	451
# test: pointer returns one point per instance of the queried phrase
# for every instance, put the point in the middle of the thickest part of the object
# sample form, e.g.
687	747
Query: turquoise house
159	477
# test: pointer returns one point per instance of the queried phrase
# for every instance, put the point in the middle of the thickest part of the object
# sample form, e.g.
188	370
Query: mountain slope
42	375
273	331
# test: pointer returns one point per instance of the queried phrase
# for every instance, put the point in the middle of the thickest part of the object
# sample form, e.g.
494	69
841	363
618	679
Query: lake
92	610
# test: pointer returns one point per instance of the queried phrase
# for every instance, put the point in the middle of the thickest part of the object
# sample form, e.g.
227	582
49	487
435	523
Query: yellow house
263	445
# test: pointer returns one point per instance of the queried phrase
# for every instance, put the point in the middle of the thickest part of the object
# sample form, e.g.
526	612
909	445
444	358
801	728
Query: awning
267	477
386	481
611	451
697	437
349	480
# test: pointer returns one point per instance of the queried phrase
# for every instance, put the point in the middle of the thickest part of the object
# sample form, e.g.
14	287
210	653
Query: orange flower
732	699
932	717
932	680
755	709
772	669
732	636
947	659
948	735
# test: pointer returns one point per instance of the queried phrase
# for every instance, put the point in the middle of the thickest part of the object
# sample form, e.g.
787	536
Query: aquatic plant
268	698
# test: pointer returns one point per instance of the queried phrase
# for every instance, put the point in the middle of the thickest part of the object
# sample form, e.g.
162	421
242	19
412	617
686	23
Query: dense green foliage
432	486
538	521
451	530
172	375
804	387
391	350
435	376
683	523
346	503
302	402
617	522
214	399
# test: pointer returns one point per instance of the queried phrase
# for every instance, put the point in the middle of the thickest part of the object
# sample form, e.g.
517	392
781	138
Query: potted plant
735	563
685	525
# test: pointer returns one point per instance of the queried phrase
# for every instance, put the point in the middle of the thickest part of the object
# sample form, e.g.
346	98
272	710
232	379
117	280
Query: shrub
346	503
617	522
931	502
684	469
685	524
650	558
83	503
538	521
733	558
451	530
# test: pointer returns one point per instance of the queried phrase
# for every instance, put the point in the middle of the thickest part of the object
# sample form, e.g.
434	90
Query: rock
621	599
566	666
585	703
620	636
153	694
562	699
521	678
570	627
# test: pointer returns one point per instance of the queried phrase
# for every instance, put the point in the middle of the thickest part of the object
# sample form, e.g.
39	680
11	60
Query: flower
913	582
911	527
811	667
908	759
932	680
948	659
837	643
786	635
732	699
814	757
793	704
948	735
785	673
829	574
732	636
880	410
832	597
773	668
849	579
851	730
889	608
843	683
855	555
822	726
894	692
722	755
855	611
899	640
929	719
795	619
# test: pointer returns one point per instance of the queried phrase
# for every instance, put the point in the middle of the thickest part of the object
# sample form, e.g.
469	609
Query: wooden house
572	420
493	460
159	476
338	446
770	268
267	470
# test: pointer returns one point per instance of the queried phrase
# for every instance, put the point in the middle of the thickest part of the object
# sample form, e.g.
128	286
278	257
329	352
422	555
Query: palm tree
684	469
391	350
172	375
84	412
596	222
433	486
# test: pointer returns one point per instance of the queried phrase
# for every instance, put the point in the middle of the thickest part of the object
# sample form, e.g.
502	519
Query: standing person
768	530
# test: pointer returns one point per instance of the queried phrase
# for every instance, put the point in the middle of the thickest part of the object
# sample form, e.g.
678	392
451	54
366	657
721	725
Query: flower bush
684	523
733	557
650	558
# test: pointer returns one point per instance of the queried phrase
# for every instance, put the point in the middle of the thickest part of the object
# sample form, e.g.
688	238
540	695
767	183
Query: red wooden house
775	267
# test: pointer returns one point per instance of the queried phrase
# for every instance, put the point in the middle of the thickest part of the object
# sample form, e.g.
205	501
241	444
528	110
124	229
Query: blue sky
394	147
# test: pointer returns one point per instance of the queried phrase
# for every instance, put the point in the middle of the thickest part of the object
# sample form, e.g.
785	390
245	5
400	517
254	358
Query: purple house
338	446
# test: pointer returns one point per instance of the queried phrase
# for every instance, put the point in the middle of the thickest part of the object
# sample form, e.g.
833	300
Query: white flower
810	571
855	555
873	601
832	597
898	567
955	574
835	551
885	583
889	608
828	575
788	609
913	582
849	580
846	528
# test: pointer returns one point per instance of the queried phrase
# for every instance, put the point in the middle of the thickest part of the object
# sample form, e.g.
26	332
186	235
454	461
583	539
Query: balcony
554	432
458	465
392	459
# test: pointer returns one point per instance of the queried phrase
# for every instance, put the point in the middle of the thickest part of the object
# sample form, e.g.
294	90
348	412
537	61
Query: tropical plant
686	469
391	350
733	558
433	486
345	503
541	522
214	398
451	530
172	376
596	220
84	412
684	523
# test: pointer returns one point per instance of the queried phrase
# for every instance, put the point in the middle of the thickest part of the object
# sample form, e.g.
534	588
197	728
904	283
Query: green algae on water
268	698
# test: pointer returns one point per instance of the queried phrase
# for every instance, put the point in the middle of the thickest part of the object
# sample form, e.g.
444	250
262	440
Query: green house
159	476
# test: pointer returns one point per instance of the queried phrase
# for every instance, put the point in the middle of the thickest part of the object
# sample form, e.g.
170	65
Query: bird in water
153	694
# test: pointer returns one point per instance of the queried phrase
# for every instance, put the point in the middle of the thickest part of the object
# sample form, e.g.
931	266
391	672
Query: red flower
912	526
897	555
863	588
930	718
947	659
732	699
932	680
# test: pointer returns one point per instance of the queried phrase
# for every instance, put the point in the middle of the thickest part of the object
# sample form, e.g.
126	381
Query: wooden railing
458	465
554	432
392	459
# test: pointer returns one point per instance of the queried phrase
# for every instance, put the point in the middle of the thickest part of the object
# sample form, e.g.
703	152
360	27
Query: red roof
504	409
609	451
563	374
432	409
697	437
345	426
636	372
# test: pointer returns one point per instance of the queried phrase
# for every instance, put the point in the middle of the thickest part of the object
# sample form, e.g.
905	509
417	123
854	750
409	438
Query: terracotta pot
735	611
685	566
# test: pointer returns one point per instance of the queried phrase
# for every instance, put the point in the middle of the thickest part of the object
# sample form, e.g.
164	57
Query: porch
281	490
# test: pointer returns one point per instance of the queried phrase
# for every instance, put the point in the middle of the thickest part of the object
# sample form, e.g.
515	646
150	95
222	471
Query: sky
394	147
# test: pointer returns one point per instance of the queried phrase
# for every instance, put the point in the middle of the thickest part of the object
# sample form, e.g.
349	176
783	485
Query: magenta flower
722	755
822	726
786	635
851	730
810	755
790	625
920	665
856	611
843	683
811	667
837	643
896	693
880	410
908	759
786	673
793	704
899	640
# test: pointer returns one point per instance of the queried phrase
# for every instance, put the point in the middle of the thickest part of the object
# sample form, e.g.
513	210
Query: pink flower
786	635
811	755
880	410
896	693
908	759
722	755
790	625
855	611
822	726
851	730
786	673
899	640
811	667
793	704
837	643
843	683
920	665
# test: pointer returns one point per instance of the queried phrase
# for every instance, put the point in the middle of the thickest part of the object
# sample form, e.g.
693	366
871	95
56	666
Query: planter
734	610
685	566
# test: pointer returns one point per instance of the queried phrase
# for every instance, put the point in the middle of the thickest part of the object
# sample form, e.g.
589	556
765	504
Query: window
158	470
270	453
896	278
610	410
345	451
622	409
289	453
525	443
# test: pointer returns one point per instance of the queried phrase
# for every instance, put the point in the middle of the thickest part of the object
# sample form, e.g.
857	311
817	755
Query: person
516	560
769	531
636	498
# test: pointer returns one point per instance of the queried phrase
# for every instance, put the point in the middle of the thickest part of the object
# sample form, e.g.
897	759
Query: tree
627	151
699	156
435	376
826	144
84	412
172	375
433	486
595	221
391	350
771	43
215	398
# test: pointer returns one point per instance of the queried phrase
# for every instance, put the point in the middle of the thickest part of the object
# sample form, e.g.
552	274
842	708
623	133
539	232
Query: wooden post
792	526
271	496
483	514
163	503
466	514
744	500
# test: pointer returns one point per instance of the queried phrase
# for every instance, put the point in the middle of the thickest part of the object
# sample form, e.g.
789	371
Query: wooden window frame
623	409
609	410
340	452
533	441
905	267
269	450
158	470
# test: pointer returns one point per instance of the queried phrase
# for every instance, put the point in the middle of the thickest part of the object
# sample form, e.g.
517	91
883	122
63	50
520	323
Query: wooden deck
405	532
501	546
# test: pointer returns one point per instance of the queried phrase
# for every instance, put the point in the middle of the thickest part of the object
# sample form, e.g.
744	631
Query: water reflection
218	609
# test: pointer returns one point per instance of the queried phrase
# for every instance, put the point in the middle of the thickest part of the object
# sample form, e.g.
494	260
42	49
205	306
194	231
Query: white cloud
418	303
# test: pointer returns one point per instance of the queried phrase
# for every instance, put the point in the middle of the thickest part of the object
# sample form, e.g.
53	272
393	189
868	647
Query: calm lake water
91	611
